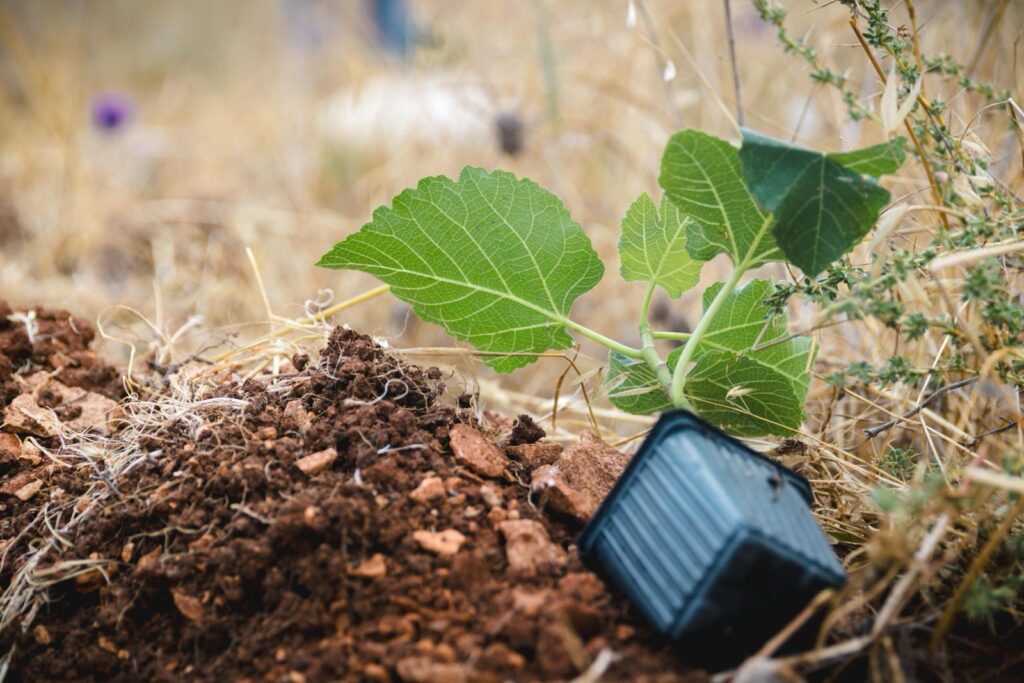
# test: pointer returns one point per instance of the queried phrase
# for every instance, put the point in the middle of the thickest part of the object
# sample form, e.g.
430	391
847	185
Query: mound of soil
339	524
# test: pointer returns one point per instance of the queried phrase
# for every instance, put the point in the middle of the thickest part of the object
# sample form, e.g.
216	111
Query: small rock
15	483
530	601
64	392
372	568
311	516
500	656
424	670
188	605
28	490
529	549
126	552
533	455
31	453
624	632
97	411
10	450
107	644
149	563
317	462
551	490
41	635
496	516
429	490
472	449
490	495
296	417
376	673
592	466
25	416
445	542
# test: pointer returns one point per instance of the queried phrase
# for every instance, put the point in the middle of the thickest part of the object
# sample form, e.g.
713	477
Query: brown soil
240	546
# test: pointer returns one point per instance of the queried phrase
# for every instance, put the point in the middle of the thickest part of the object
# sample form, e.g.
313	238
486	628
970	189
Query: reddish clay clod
317	462
429	491
473	450
445	542
25	416
529	549
373	568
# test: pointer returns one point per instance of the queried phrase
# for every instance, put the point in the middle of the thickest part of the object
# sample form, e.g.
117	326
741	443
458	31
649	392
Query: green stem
647	348
679	375
607	342
676	393
666	334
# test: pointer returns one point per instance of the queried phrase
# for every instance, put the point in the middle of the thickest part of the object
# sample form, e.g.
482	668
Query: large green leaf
495	260
652	247
743	396
743	323
702	176
633	387
822	209
747	378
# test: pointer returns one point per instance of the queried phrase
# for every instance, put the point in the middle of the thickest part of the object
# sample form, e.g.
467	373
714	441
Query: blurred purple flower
111	111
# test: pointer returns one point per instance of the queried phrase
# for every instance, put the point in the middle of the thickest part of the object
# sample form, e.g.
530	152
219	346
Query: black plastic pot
714	543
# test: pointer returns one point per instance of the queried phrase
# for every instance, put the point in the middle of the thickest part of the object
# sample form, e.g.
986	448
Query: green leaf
875	161
742	396
822	209
633	387
494	260
653	247
746	379
744	323
745	391
702	176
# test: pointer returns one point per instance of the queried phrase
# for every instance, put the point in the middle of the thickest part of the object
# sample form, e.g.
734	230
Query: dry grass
147	229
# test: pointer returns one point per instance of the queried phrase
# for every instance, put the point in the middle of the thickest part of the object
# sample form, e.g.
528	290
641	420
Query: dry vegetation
242	139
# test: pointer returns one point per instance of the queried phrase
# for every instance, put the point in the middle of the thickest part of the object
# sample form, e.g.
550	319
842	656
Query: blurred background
144	146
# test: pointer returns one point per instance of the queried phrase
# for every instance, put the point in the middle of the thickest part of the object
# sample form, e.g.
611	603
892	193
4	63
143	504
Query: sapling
497	261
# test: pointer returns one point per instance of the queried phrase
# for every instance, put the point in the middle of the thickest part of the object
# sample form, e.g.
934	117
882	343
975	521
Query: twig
872	432
1010	424
736	82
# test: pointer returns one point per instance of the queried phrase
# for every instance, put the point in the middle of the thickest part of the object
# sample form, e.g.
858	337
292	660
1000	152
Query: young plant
497	261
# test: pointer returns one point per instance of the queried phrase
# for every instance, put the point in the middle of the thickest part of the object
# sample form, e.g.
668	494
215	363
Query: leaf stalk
676	392
604	341
647	348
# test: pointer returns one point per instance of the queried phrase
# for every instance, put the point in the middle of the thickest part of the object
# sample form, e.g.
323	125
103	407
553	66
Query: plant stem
668	334
676	394
647	348
607	342
679	375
